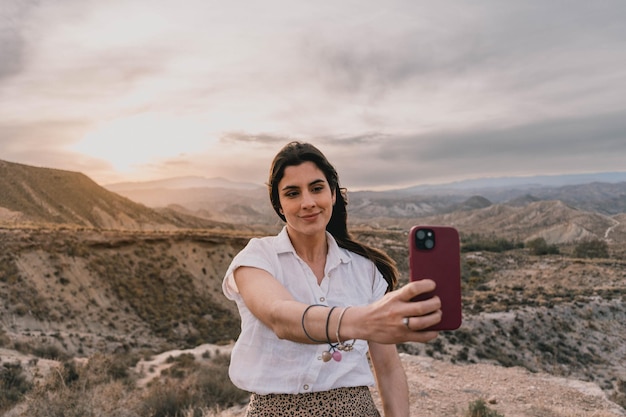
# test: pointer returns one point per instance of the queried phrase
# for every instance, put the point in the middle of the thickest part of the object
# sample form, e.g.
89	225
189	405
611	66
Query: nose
308	200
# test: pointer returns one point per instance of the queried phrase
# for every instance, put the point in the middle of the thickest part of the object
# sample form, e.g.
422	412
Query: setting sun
138	140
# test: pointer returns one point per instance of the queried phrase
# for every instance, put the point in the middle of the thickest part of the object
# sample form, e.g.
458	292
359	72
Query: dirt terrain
543	336
438	388
441	389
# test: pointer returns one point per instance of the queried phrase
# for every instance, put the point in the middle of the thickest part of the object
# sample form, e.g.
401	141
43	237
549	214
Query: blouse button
306	387
322	299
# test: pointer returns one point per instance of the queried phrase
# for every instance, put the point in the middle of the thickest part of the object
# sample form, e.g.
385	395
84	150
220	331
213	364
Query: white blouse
264	364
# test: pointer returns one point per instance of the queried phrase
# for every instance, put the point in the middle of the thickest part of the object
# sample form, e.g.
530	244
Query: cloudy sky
395	93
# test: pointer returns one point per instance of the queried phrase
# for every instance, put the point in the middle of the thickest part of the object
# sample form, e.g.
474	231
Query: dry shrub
166	398
479	408
93	389
104	386
110	399
187	390
13	384
5	340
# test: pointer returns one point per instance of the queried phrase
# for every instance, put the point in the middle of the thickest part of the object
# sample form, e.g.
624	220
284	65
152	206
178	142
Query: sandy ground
153	367
442	389
439	388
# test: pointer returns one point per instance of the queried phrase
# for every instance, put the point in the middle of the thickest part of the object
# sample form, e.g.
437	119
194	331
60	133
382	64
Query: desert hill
554	221
128	288
38	196
604	198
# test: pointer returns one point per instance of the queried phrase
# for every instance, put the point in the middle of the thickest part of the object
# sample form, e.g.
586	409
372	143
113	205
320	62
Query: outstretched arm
380	322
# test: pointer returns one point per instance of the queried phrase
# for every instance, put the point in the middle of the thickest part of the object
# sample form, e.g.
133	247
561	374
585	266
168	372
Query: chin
308	229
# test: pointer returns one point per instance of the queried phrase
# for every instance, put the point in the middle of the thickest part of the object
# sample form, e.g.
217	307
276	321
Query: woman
314	302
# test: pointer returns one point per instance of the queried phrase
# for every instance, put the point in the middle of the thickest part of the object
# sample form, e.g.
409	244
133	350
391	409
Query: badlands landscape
110	299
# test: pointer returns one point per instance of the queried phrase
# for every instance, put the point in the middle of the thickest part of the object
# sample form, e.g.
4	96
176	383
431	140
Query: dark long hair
295	153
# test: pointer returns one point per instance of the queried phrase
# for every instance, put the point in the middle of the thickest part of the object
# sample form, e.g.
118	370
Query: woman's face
306	199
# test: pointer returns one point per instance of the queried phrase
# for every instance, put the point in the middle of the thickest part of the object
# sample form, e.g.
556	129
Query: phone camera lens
424	239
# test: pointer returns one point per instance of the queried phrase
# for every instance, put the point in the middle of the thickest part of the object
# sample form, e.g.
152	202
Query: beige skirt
340	402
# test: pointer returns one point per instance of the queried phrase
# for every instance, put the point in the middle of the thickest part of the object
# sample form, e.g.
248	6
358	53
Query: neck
311	248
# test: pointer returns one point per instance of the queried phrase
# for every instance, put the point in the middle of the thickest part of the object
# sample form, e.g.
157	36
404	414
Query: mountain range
519	208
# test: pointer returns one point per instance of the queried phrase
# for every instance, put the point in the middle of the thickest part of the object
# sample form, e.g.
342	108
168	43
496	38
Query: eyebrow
295	187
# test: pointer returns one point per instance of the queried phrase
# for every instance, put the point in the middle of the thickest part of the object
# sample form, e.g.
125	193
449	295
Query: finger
421	308
415	288
420	323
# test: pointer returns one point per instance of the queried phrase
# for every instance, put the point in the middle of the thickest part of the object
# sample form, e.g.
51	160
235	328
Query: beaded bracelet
334	351
346	347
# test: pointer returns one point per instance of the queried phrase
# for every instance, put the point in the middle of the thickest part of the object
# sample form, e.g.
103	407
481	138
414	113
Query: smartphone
435	253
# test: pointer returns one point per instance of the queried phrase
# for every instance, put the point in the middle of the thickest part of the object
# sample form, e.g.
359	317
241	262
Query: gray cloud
12	44
542	51
409	93
572	145
234	138
568	145
598	134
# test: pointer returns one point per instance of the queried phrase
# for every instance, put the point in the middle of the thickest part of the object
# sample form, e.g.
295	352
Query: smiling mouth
310	216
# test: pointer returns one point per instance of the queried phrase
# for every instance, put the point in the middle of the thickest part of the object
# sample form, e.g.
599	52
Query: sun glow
138	140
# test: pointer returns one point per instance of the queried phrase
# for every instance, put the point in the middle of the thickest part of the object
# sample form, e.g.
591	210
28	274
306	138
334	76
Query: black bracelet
304	327
327	323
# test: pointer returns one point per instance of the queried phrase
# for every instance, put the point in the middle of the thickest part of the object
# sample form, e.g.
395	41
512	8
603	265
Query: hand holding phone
434	253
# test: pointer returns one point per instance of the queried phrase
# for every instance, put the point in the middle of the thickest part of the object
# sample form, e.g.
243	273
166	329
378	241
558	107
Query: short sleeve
256	255
380	285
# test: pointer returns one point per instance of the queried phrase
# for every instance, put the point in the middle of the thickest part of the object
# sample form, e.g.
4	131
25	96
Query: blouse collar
335	256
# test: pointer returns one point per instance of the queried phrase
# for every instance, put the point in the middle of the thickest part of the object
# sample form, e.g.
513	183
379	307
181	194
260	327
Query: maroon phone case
441	264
